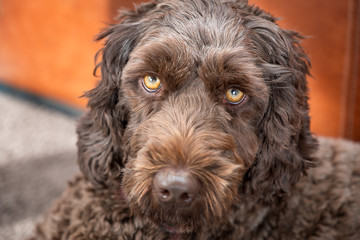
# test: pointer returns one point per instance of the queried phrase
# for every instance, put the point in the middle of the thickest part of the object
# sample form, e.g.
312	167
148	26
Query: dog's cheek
135	183
241	124
247	141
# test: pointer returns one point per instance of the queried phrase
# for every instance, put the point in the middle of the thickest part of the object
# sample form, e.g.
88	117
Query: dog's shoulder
329	197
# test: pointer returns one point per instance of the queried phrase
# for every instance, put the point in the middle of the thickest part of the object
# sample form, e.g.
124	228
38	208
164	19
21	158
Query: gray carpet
37	157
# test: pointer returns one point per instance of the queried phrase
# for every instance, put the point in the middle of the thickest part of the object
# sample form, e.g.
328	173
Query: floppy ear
100	130
286	141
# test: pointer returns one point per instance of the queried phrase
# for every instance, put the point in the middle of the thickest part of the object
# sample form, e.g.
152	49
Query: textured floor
37	156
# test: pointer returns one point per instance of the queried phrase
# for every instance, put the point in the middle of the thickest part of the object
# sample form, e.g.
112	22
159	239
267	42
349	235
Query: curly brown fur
251	159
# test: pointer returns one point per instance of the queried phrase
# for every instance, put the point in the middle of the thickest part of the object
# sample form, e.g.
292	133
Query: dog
199	129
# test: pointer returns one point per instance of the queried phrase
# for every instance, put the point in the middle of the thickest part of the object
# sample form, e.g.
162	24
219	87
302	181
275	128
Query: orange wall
46	46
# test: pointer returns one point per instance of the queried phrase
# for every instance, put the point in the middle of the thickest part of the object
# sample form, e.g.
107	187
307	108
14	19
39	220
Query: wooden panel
331	29
351	129
46	46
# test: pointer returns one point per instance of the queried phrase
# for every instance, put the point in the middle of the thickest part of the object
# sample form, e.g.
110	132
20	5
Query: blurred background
47	60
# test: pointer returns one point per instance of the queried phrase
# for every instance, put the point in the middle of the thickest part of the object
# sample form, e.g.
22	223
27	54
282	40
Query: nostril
185	197
164	193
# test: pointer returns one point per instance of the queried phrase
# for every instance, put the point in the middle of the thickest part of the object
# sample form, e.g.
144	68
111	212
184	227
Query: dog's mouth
175	221
167	218
170	229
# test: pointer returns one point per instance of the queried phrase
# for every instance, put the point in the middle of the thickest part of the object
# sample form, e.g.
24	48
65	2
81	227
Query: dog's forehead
191	33
200	23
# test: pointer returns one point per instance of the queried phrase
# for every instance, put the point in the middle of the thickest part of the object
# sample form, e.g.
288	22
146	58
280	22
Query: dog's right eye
234	96
151	83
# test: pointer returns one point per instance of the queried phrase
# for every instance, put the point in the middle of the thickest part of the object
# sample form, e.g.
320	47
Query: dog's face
201	105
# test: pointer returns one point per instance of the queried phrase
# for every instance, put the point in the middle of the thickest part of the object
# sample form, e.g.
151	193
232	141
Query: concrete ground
37	157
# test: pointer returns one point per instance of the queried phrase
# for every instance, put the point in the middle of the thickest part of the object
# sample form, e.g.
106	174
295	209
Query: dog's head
201	104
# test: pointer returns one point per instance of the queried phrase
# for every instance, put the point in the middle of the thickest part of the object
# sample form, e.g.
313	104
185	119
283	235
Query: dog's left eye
151	83
234	96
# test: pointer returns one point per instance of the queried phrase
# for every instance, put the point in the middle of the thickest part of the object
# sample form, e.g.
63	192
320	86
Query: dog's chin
177	229
176	223
172	220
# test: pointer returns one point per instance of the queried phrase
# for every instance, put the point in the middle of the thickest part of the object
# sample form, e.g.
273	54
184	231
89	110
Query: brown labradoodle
199	129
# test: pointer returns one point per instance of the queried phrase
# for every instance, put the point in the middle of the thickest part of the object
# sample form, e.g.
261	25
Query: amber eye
234	96
151	83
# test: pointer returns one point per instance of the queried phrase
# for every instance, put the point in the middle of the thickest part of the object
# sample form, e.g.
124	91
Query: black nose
176	186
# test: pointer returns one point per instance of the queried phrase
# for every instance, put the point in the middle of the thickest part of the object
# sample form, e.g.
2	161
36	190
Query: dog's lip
169	228
121	195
